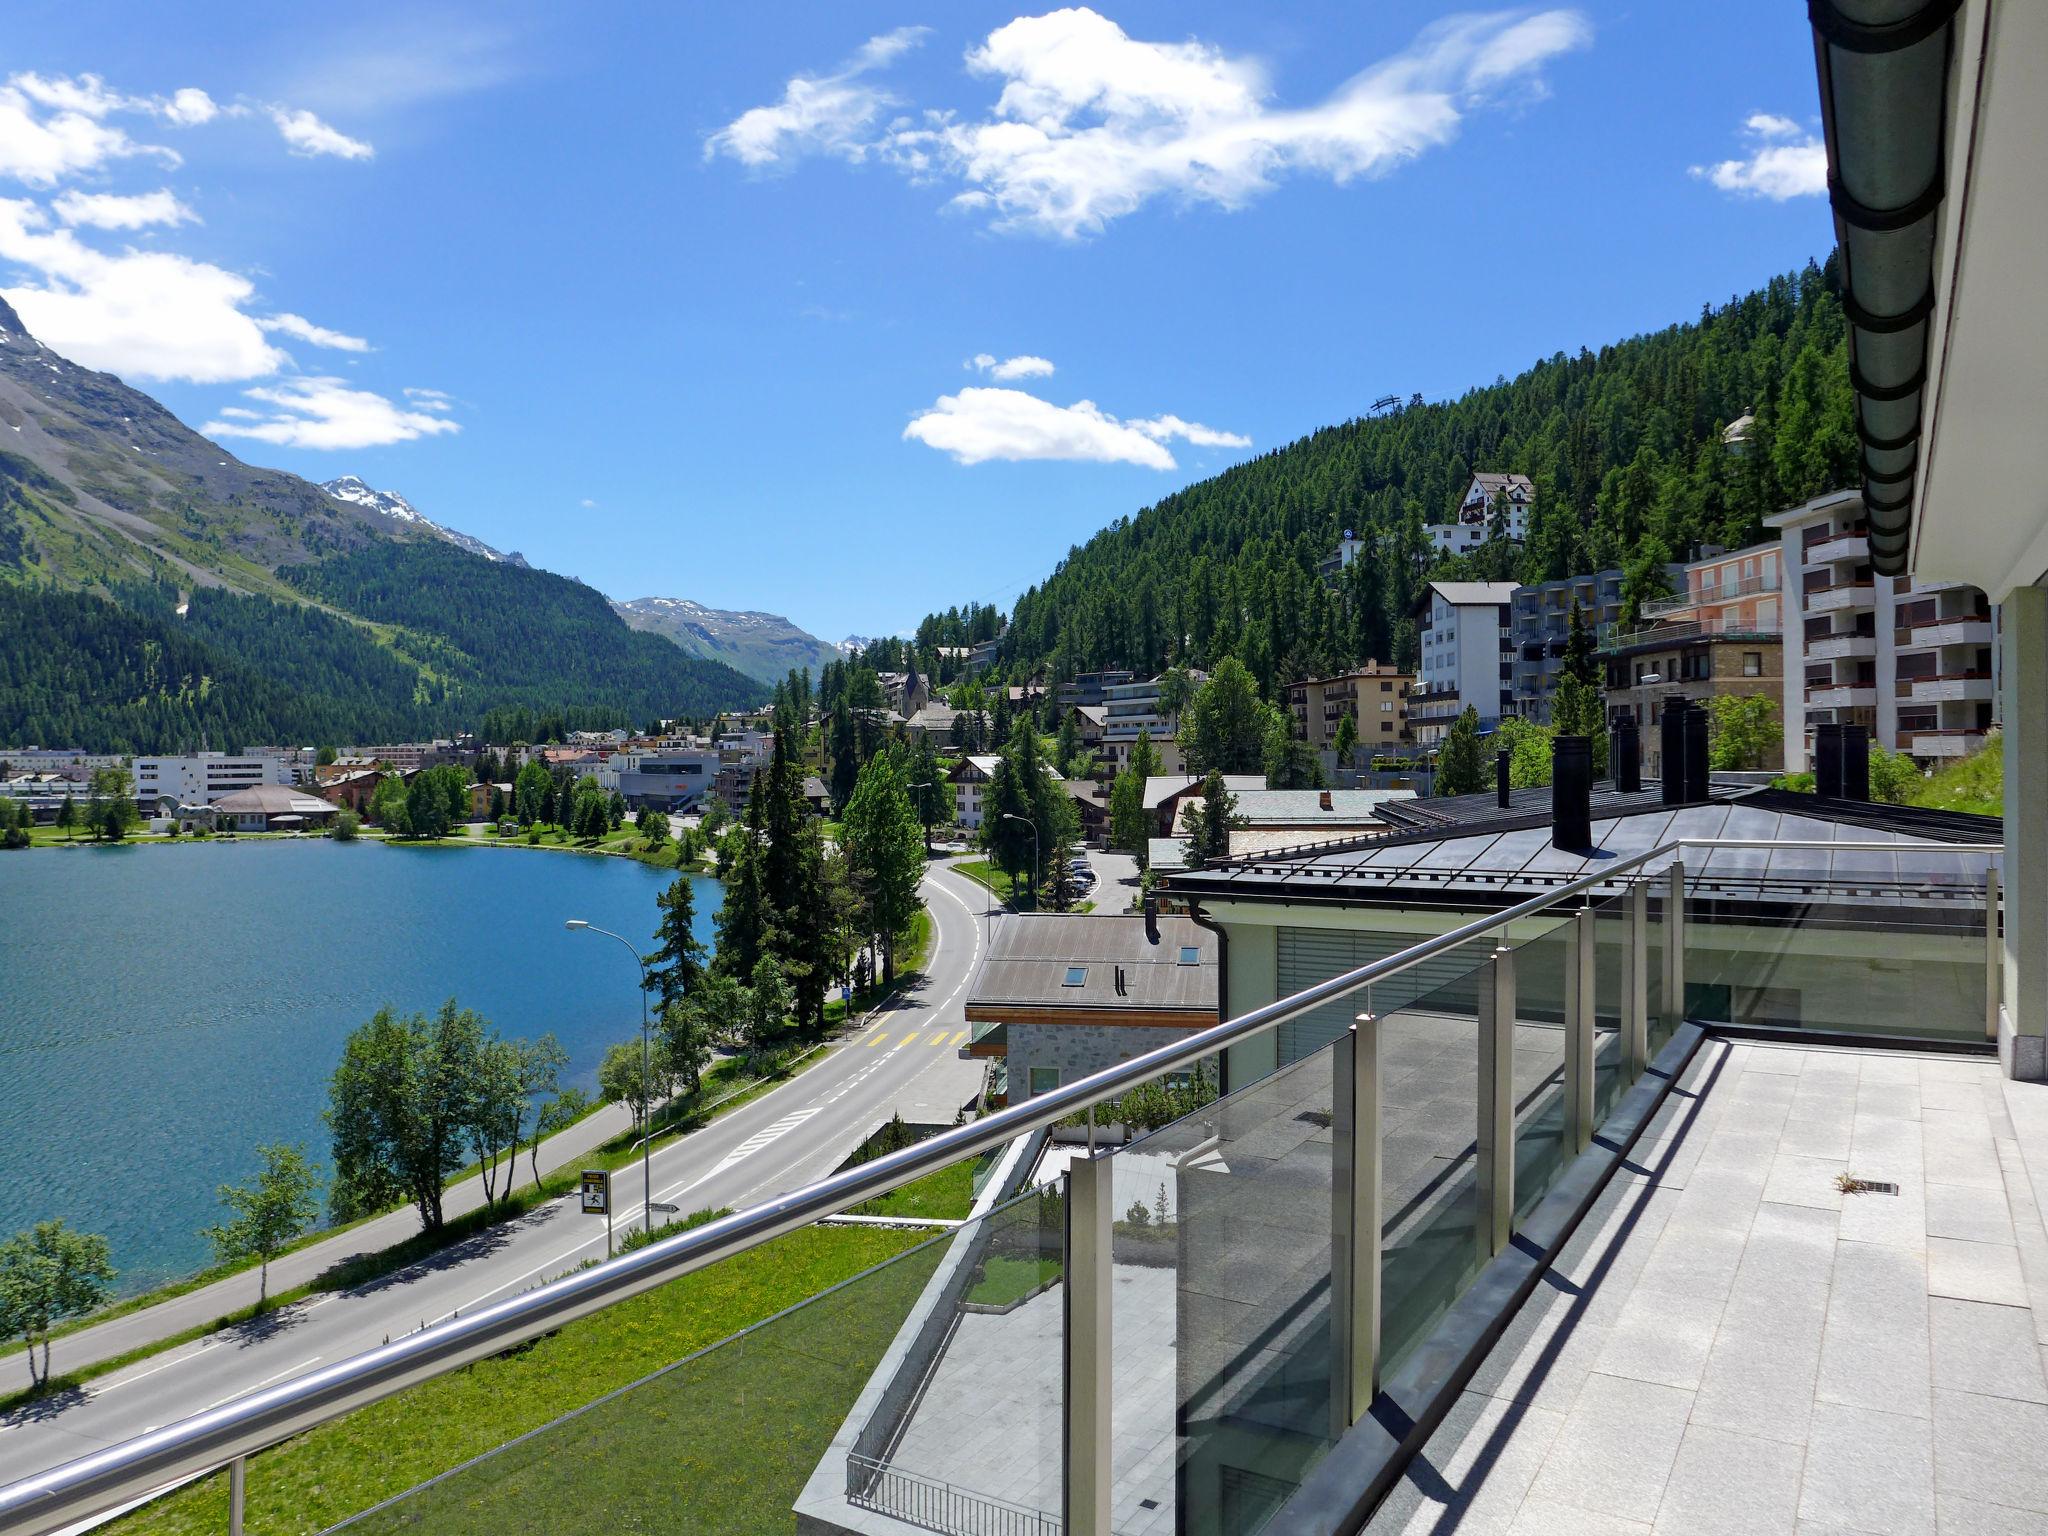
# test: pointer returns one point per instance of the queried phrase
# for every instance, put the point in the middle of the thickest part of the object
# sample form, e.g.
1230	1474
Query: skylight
1077	975
1190	955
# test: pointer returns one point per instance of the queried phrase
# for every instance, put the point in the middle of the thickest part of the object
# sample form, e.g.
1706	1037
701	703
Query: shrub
640	1237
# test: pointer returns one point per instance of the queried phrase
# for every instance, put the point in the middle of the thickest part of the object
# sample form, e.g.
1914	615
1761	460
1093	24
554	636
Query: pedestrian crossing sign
597	1192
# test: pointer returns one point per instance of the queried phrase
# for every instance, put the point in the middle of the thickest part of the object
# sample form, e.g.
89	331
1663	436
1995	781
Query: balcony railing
1705	596
1236	1285
1615	638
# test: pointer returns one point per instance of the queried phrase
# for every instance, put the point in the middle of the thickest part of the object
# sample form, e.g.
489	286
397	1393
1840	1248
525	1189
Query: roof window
1077	976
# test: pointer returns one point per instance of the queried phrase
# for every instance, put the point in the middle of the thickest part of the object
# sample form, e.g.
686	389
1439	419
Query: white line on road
266	1381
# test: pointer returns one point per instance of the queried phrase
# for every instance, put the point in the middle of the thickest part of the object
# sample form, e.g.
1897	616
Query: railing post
1674	945
238	1493
1355	1222
1497	1100
1090	1198
1994	953
1579	1039
1635	984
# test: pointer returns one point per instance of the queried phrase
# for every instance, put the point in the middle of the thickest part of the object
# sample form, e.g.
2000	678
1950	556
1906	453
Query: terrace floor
1730	1343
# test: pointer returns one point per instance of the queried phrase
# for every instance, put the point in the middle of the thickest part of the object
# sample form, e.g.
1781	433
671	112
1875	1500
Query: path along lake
165	1010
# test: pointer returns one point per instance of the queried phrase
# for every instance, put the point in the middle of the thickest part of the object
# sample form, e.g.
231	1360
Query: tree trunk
263	1281
46	1359
888	958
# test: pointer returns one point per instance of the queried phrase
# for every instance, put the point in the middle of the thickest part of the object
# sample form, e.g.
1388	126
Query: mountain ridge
353	489
762	645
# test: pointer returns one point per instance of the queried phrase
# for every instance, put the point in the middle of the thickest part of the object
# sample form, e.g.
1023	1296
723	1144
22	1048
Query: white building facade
1475	514
1914	661
206	777
1468	657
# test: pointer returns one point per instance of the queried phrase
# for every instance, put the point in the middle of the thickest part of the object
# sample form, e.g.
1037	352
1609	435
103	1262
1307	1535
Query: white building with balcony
1468	657
1474	523
1915	662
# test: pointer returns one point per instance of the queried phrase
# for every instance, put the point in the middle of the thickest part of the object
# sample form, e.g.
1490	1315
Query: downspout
1222	985
1884	68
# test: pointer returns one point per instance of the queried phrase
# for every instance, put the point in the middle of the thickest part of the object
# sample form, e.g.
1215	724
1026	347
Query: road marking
266	1381
909	1039
960	1038
877	1038
938	1038
760	1139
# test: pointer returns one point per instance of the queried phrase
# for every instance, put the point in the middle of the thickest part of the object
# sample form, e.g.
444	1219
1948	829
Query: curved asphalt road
786	1138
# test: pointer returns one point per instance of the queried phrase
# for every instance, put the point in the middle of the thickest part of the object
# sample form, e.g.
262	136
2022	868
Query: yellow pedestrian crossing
937	1039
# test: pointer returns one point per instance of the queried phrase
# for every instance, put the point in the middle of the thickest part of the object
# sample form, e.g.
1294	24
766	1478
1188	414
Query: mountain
156	591
762	645
1626	446
394	506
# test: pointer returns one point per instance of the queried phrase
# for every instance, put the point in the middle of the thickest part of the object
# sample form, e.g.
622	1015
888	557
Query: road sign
671	1209
597	1192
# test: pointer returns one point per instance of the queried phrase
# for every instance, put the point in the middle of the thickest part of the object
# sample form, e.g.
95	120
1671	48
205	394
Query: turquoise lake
165	1010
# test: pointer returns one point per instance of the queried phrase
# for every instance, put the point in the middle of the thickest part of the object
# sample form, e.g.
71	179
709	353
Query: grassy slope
1975	784
721	1445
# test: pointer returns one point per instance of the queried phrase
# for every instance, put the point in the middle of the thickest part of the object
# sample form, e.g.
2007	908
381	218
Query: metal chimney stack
1625	749
1827	760
1671	745
1500	779
1571	793
1696	787
1855	762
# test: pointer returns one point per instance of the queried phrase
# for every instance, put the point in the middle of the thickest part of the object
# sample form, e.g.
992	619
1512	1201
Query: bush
640	1237
346	824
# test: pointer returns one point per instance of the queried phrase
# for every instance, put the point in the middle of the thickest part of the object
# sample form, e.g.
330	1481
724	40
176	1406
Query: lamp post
1013	816
927	784
578	925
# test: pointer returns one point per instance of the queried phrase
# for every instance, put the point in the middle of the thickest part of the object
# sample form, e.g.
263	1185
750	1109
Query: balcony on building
1851	594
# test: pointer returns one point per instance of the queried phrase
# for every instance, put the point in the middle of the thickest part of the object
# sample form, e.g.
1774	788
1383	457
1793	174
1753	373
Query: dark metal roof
1496	861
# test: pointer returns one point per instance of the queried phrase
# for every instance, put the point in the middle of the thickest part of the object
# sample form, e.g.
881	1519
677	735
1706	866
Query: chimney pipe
1855	762
1827	760
1571	793
1500	779
1671	747
1696	787
1151	919
1625	747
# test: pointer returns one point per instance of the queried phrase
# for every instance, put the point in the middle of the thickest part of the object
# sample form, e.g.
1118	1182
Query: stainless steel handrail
134	1469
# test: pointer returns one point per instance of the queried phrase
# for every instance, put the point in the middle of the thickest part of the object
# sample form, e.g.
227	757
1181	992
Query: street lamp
578	925
1013	816
928	784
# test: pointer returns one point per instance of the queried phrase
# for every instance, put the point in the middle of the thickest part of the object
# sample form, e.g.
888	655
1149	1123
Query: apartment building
1912	660
1467	657
1718	634
1091	687
1543	626
971	778
206	777
667	780
1374	697
1474	523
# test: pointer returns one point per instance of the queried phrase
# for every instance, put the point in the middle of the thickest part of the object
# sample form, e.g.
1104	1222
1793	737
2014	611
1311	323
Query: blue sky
685	300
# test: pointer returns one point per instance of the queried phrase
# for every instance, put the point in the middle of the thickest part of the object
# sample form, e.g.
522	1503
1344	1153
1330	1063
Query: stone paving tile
1809	1181
1614	1454
1759	1376
1547	1517
1961	1210
1990	1448
1986	1349
1958	1516
1731	1485
1975	1271
1869	1471
1875	1352
1494	1449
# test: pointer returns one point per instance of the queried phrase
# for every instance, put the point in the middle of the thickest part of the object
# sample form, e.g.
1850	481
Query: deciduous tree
270	1211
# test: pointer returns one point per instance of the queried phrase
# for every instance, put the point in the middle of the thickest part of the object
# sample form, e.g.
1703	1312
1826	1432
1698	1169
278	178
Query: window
1044	1079
1190	955
1752	663
1077	976
1387	708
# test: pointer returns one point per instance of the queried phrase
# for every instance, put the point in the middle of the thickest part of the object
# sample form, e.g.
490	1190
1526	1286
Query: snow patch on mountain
351	488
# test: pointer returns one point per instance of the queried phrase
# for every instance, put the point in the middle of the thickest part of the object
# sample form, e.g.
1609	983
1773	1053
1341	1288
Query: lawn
983	873
945	1195
721	1444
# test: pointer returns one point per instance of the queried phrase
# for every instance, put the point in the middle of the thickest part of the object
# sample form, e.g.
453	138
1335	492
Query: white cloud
979	424
318	335
110	210
305	134
318	412
1786	162
587	504
143	314
429	400
1161	428
43	141
1024	367
190	107
85	94
1090	123
818	114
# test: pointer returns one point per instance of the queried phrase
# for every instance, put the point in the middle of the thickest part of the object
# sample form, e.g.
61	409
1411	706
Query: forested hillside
1624	444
